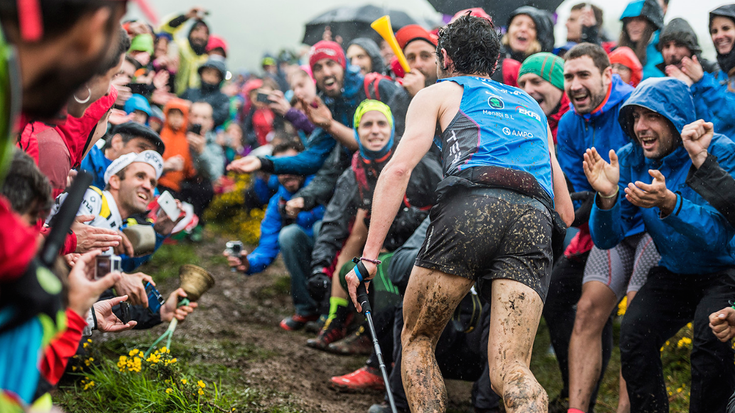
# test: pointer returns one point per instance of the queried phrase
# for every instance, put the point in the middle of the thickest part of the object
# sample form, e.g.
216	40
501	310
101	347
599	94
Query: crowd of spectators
641	128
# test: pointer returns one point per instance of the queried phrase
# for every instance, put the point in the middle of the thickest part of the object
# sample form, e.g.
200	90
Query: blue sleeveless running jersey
497	125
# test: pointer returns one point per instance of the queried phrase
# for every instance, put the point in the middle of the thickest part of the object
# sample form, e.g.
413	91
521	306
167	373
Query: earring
80	101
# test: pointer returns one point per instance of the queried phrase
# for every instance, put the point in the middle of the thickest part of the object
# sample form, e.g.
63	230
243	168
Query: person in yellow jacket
192	53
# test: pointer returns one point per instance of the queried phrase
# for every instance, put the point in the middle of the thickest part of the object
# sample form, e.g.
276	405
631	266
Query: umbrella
499	10
353	22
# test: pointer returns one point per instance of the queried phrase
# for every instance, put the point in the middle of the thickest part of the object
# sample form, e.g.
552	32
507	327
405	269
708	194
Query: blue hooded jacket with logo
694	238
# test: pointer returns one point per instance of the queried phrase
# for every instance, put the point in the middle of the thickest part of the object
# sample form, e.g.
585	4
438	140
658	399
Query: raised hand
652	195
692	68
107	320
696	138
676	73
602	176
245	165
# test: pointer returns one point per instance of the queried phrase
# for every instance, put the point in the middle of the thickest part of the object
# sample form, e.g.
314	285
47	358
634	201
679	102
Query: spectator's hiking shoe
358	342
316	326
384	408
297	322
335	329
366	378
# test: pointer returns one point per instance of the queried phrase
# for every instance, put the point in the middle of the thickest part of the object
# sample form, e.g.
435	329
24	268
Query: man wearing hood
713	92
677	41
211	73
419	47
596	96
192	50
695	276
542	77
365	54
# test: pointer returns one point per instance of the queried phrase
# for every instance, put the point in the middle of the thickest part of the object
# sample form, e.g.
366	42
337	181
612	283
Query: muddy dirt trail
243	312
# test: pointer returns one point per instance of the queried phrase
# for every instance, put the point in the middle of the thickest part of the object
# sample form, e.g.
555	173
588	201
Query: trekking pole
362	298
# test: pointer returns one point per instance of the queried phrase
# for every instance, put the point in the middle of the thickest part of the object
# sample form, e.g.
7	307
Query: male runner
490	224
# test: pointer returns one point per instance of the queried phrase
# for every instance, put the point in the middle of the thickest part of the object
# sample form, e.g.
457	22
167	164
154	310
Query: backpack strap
374	80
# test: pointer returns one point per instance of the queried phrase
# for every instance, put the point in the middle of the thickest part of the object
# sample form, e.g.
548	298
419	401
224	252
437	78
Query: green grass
166	261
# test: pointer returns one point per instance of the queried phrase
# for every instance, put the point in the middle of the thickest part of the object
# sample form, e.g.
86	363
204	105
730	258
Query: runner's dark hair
27	189
473	45
294	144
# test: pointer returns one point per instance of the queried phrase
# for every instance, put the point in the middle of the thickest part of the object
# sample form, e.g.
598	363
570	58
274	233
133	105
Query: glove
319	285
582	214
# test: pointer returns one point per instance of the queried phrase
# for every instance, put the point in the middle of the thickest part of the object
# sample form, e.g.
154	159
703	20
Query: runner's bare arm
562	202
421	120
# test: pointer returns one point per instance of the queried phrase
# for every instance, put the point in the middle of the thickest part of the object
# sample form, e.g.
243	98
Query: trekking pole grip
362	298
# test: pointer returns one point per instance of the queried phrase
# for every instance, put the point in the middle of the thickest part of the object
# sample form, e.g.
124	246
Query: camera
263	97
233	249
105	264
195	129
155	300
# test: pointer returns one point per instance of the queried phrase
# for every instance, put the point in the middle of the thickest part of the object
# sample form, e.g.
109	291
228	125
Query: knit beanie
546	66
142	43
327	50
370	105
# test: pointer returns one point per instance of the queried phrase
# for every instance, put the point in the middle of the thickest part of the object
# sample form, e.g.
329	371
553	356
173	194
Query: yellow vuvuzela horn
382	26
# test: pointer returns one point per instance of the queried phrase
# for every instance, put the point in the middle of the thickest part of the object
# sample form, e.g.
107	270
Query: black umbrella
353	22
500	10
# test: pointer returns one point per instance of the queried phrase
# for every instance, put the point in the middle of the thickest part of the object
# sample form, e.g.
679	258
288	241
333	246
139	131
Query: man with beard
211	73
419	46
542	76
340	88
694	277
192	50
593	279
497	192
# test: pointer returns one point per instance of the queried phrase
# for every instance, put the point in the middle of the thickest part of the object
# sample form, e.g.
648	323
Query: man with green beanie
542	77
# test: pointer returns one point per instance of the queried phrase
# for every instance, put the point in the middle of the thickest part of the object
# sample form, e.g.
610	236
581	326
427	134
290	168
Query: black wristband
266	165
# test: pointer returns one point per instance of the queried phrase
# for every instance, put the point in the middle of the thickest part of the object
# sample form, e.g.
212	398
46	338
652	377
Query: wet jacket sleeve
173	23
268	246
709	93
307	219
335	225
319	191
570	159
299	120
715	185
609	227
62	348
701	223
308	162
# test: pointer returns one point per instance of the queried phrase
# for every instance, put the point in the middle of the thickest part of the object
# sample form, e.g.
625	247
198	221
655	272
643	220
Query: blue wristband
357	273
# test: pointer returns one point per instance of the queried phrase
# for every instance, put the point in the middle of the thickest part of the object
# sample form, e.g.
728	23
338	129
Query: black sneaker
334	330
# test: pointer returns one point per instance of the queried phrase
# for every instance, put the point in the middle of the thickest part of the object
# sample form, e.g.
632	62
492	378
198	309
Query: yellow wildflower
89	385
184	381
201	384
89	340
169	390
201	392
172	361
133	352
85	345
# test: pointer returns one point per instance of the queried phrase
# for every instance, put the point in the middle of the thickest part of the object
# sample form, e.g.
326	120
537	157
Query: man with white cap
129	184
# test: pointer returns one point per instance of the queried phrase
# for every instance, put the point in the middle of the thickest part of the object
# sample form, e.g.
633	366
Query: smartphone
155	300
167	202
195	129
106	264
124	312
263	97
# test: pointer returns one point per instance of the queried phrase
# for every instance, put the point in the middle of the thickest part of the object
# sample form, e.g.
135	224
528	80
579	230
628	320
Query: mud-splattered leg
514	317
430	300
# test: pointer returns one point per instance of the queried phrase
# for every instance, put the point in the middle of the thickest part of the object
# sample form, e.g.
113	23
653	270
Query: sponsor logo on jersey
523	134
528	112
495	102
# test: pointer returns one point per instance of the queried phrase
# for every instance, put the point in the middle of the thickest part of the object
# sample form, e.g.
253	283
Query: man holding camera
292	235
129	184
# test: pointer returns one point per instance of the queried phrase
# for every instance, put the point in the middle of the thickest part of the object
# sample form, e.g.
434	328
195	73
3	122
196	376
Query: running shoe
366	378
334	330
297	321
358	342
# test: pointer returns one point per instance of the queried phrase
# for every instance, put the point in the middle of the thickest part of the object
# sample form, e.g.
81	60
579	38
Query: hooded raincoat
176	145
372	49
189	59
714	93
653	13
211	93
695	238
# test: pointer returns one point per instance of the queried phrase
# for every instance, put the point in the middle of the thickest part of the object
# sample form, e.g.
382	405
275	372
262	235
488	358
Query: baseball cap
140	131
412	32
152	158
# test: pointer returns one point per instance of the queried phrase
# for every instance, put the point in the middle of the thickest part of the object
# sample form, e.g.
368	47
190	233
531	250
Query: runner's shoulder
440	92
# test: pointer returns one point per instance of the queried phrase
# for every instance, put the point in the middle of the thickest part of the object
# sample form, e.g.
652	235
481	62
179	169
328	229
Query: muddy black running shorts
485	234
